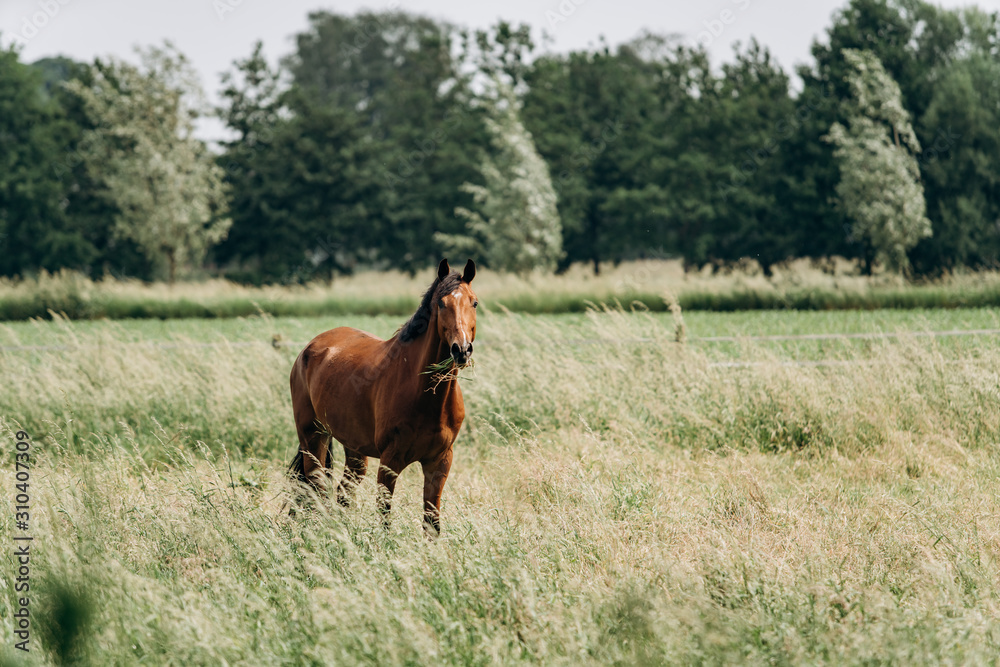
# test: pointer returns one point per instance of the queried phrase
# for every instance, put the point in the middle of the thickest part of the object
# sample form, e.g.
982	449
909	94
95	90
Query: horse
395	400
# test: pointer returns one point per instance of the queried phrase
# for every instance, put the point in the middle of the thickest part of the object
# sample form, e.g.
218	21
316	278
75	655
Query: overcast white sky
212	39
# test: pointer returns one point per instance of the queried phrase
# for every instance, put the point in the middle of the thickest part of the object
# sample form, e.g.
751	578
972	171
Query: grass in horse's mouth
442	366
446	365
446	370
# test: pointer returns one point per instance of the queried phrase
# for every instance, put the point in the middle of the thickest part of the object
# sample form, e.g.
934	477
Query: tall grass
609	504
798	286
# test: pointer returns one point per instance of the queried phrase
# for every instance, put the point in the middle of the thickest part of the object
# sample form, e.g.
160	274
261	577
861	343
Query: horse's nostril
455	350
469	351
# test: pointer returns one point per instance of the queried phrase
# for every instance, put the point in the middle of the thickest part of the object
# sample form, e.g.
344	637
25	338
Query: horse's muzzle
461	356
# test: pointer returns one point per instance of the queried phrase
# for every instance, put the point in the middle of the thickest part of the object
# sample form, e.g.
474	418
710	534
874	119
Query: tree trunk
172	259
869	259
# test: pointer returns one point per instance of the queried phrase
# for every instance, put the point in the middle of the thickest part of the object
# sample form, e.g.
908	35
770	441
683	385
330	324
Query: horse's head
456	313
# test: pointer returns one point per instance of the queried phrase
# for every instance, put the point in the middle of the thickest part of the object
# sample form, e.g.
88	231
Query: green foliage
586	113
355	151
517	226
164	183
880	181
962	130
751	107
36	229
398	77
88	210
305	200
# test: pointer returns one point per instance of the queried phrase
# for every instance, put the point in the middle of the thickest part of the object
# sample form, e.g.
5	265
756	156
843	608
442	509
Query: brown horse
377	399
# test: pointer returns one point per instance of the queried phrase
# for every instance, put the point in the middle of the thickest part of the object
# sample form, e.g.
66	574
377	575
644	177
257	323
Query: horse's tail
297	476
297	471
304	415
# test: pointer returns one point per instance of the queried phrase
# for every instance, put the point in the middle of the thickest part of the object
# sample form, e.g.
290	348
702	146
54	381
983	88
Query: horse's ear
443	269
470	271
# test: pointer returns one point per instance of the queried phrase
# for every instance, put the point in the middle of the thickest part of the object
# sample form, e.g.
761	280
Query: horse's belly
342	399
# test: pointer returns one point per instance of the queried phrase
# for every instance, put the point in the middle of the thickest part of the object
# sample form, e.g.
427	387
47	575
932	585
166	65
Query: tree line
386	140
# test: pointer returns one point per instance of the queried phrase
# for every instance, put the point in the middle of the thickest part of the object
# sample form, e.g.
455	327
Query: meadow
831	284
617	497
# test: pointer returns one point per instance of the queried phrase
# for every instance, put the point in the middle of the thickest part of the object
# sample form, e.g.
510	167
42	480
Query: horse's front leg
435	475
388	472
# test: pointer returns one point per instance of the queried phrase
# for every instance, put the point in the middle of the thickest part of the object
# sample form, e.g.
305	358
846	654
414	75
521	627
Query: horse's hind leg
314	447
313	459
355	467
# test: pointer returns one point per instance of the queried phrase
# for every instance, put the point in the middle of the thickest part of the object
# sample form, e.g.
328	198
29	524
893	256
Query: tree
401	77
501	53
254	95
915	42
750	117
306	199
589	113
961	166
254	112
164	182
89	212
879	176
35	232
517	228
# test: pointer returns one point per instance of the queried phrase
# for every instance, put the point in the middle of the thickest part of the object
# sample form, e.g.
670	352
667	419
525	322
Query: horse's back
344	338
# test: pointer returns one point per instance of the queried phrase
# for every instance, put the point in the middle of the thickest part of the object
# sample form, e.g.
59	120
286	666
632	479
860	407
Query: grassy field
801	285
617	497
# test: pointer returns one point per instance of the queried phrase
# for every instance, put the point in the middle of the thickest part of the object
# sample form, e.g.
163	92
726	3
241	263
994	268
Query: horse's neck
430	349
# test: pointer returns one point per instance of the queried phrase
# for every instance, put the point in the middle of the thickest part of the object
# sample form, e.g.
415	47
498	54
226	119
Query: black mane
417	325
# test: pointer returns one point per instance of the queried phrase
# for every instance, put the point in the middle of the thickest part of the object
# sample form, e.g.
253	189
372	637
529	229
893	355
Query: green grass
822	299
699	324
613	501
647	284
136	307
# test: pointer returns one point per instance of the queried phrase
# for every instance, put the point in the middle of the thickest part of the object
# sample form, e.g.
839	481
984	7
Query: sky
214	33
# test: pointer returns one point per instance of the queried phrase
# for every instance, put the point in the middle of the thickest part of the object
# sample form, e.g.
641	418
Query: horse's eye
475	304
440	303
